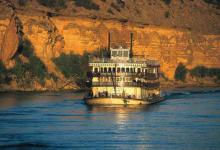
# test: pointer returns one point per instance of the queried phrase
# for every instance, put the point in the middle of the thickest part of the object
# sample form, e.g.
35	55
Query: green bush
3	70
73	65
22	2
26	48
167	14
167	2
35	68
87	4
19	69
214	2
180	73
3	73
201	72
57	4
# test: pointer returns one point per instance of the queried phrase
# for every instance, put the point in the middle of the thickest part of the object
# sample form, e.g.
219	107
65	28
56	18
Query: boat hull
120	101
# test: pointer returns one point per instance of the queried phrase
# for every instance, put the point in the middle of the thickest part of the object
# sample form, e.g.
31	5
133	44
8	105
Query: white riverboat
123	79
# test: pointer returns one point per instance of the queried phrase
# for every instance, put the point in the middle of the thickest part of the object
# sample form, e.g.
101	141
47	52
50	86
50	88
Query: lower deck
124	92
121	101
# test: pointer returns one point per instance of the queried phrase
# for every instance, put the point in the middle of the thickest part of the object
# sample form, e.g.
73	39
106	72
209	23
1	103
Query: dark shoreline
188	88
44	91
163	88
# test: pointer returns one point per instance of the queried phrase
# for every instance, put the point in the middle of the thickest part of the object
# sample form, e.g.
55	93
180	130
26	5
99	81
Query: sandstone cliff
192	42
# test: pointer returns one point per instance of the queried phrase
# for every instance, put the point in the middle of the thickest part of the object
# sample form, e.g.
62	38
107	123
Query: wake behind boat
123	79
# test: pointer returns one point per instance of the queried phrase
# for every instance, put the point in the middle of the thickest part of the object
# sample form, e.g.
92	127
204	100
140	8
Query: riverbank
190	84
78	90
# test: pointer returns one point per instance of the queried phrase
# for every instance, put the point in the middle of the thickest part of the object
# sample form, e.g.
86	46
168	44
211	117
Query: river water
185	120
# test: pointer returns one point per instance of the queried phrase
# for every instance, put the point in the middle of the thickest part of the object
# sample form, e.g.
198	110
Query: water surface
186	120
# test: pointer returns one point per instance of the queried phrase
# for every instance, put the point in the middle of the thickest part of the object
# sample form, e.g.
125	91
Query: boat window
120	53
105	70
96	70
101	70
114	53
113	70
125	53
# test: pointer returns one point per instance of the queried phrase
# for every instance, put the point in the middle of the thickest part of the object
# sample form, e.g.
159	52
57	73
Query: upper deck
130	62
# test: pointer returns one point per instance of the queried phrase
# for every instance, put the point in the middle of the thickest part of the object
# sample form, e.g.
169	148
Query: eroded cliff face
169	46
52	36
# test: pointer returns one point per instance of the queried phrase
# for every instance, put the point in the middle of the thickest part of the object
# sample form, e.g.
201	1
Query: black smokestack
131	45
109	41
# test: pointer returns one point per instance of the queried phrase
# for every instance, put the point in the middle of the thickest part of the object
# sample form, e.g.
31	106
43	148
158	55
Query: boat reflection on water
123	123
122	108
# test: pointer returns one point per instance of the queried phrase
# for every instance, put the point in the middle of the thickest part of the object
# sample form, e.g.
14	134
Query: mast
113	78
109	41
131	45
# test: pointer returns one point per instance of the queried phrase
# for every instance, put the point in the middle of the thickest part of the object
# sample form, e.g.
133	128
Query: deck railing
128	84
147	76
131	60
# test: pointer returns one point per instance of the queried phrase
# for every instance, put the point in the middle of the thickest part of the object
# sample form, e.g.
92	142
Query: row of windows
118	79
123	70
120	53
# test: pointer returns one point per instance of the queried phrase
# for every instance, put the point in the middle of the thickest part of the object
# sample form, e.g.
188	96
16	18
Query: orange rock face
9	40
52	36
169	46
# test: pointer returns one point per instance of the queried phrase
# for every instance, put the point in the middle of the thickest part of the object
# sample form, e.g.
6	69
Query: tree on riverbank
202	72
28	67
3	73
73	66
180	73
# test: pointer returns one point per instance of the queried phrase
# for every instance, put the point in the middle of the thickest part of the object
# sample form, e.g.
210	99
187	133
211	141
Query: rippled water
186	120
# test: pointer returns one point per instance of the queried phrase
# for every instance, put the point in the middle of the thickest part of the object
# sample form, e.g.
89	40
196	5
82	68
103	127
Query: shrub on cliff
39	70
57	4
22	2
180	73
167	2
202	71
28	72
214	2
214	72
33	69
167	14
72	65
199	71
87	4
3	72
19	70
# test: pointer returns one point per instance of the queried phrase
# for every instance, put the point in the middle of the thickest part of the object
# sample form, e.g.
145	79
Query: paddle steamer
123	79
